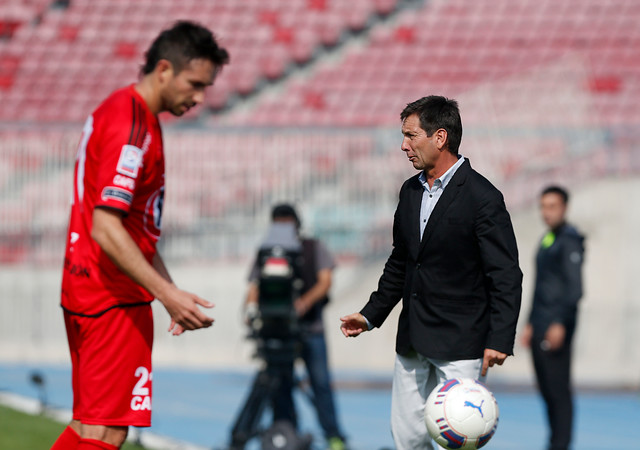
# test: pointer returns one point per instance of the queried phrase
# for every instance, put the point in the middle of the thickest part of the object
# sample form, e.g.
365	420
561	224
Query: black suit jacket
461	285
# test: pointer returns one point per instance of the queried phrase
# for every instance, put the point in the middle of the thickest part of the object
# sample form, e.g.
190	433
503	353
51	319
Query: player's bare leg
108	434
69	437
76	425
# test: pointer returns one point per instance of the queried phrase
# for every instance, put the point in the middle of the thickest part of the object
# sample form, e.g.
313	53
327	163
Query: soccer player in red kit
112	270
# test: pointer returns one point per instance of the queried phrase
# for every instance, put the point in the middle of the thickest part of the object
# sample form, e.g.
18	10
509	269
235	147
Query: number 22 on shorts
141	399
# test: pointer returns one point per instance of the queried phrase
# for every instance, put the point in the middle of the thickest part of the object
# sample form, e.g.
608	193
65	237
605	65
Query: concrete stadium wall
606	344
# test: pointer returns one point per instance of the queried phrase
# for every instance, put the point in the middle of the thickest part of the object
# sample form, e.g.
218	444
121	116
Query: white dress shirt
431	195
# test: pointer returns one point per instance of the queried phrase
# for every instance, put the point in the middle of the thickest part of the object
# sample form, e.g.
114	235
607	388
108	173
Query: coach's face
183	90
423	151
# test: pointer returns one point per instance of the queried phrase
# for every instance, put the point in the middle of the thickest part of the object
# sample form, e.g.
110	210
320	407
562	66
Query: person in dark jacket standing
552	322
454	265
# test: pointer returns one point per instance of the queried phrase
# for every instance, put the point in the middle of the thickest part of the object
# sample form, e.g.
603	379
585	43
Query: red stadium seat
611	84
318	5
68	32
283	35
127	50
405	35
6	81
268	17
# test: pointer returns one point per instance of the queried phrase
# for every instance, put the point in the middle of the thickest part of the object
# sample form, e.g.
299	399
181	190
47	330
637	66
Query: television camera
274	327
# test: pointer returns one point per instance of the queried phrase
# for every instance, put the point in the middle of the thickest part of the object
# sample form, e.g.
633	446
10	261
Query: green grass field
20	431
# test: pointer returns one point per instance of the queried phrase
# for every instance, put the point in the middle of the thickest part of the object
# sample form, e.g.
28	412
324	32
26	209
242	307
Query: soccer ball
461	413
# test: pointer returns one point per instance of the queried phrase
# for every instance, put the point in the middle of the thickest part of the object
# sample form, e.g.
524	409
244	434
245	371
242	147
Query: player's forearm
115	241
158	264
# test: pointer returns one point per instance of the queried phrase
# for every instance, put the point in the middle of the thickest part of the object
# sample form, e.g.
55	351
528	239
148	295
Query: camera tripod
279	357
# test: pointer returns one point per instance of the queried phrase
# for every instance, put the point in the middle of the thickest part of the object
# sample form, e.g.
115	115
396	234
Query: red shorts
111	366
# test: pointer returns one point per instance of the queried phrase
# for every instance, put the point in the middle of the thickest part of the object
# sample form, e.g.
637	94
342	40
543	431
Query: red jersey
120	165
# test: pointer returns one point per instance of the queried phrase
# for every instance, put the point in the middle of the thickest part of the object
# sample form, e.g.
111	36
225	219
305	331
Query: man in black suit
454	264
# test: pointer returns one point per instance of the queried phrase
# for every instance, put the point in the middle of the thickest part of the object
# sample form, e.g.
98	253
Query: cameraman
316	274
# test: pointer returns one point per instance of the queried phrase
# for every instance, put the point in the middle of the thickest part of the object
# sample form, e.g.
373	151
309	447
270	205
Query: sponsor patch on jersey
112	193
125	182
130	161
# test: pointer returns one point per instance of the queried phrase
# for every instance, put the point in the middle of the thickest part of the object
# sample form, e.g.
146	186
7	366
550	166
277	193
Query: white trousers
414	378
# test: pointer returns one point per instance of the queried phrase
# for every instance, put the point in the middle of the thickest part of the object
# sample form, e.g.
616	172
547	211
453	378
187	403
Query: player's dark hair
180	44
437	112
285	211
562	192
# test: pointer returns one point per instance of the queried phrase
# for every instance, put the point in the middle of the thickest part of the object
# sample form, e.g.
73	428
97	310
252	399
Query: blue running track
199	407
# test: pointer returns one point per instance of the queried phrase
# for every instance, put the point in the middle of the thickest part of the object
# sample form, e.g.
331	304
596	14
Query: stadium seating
84	51
456	47
57	63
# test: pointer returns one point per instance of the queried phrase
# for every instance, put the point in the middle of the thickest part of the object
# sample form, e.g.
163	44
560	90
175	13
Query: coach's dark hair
437	112
562	192
182	43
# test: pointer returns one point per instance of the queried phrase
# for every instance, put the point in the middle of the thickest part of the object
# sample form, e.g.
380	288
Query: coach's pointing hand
353	324
185	314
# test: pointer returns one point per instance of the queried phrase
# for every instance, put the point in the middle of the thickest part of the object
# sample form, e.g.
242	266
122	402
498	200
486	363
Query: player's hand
491	358
554	337
175	329
353	324
525	338
183	307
